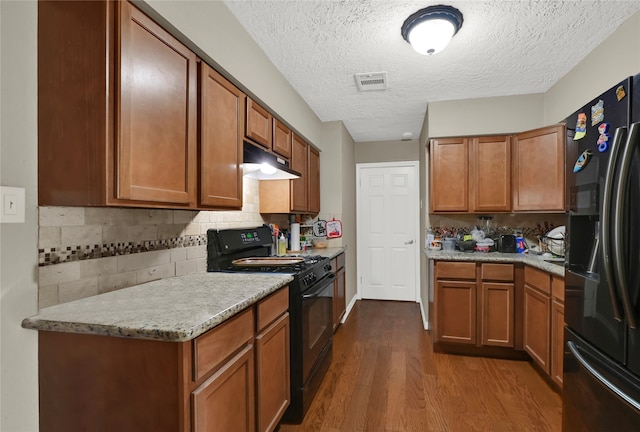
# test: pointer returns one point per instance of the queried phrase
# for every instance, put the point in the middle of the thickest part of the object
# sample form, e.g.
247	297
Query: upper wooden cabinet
258	127
282	137
449	175
299	161
471	175
490	174
117	109
538	170
313	187
300	195
493	174
221	134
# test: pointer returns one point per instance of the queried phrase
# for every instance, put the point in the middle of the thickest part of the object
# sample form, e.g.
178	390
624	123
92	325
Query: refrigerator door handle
597	375
605	225
622	188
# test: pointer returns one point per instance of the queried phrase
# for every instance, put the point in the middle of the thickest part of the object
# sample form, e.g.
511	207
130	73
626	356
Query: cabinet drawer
455	270
218	344
341	261
539	279
497	272
272	307
557	287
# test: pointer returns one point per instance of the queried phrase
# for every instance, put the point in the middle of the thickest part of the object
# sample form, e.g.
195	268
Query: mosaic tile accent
50	256
451	231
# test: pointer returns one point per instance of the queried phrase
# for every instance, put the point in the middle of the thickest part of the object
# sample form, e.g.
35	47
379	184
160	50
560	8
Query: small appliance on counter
507	243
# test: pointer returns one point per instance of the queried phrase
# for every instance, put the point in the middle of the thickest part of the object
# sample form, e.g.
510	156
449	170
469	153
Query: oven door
317	321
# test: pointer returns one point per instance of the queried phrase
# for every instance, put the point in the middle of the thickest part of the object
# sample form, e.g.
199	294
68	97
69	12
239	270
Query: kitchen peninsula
169	355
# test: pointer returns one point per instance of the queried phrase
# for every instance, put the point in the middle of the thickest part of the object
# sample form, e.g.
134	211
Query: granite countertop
532	260
175	309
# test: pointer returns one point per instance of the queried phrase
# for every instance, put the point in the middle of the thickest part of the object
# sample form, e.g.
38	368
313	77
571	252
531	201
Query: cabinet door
221	132
449	175
281	139
157	109
557	341
314	181
456	312
299	201
498	314
490	174
258	126
339	298
225	401
537	309
538	170
272	369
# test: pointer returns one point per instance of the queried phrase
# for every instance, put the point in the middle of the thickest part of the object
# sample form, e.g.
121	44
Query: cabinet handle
408	242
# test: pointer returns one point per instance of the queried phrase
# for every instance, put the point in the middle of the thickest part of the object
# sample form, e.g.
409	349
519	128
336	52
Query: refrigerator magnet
582	161
581	127
620	93
597	113
603	138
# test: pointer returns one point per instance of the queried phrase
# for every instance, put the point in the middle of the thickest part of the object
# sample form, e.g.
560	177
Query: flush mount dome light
430	29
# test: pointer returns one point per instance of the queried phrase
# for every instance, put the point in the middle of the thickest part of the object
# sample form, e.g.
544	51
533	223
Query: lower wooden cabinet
544	320
339	286
235	377
456	309
475	303
225	401
557	329
501	305
537	308
273	374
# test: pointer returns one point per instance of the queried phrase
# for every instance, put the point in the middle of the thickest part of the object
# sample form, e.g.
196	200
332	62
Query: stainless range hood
262	165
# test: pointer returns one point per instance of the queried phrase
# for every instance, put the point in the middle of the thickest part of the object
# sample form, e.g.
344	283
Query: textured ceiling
503	48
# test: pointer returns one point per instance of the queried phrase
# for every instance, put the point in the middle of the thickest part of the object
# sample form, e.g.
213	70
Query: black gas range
310	303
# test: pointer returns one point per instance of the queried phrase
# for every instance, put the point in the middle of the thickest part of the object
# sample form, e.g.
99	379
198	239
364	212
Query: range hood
262	165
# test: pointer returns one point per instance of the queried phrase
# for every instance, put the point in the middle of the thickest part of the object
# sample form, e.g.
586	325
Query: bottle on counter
282	245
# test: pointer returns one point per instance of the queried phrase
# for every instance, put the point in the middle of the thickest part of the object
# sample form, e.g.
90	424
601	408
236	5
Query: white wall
486	116
18	260
386	151
338	192
615	59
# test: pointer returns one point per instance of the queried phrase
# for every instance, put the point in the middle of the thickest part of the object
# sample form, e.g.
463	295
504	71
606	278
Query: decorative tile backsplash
88	251
531	225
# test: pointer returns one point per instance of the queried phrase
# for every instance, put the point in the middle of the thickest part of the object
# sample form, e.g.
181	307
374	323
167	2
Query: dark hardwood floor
386	377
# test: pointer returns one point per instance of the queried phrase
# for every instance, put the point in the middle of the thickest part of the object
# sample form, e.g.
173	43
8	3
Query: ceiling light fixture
430	29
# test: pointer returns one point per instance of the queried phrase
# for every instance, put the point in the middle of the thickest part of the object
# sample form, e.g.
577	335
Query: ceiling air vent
371	81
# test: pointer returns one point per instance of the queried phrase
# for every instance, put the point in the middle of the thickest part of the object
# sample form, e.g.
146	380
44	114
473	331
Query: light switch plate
12	204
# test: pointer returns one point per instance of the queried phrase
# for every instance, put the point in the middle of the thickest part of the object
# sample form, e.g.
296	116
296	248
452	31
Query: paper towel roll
295	236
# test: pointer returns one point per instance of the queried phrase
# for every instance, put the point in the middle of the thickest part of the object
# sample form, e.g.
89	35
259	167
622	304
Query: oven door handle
321	286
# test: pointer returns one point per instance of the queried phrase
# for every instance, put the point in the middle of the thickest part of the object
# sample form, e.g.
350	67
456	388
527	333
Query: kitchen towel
295	236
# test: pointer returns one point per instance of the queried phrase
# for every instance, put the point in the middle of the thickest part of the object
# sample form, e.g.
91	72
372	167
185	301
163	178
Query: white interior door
388	205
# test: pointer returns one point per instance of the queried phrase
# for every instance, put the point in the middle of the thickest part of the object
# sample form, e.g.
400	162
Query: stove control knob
327	267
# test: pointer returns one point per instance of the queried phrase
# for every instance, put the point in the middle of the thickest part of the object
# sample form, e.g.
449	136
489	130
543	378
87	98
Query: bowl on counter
467	245
449	244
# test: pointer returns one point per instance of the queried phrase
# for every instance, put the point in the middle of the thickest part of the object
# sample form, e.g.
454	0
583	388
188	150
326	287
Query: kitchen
19	284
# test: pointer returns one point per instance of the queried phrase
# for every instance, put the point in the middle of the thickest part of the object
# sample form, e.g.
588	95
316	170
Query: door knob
408	242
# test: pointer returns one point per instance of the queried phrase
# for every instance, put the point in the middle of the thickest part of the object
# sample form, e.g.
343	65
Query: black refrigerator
601	389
